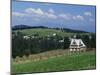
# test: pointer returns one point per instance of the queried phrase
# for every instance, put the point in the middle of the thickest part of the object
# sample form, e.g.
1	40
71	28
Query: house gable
77	43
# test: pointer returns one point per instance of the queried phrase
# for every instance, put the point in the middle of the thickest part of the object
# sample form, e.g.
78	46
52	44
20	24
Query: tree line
22	46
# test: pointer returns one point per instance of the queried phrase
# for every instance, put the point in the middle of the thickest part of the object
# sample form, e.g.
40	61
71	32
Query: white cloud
19	14
78	17
34	11
65	16
88	13
51	11
50	15
68	16
41	13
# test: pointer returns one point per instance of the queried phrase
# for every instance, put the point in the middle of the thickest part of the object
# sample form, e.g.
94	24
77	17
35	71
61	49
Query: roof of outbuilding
77	42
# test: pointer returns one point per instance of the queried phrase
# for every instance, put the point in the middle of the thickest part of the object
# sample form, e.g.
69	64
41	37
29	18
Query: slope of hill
81	61
18	27
45	31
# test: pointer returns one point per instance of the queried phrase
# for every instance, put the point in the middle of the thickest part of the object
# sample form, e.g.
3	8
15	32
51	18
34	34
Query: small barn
77	45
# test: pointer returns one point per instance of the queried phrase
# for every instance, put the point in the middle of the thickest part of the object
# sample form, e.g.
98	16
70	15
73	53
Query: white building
26	37
77	45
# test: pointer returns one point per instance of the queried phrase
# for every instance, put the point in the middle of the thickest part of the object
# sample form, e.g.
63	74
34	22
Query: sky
78	17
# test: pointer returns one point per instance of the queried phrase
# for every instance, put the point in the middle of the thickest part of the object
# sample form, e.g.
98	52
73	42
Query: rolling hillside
65	62
44	31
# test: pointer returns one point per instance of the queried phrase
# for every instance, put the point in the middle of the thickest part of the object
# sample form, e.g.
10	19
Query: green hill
45	32
81	61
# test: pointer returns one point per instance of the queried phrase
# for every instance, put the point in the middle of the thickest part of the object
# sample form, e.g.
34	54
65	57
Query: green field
45	32
73	61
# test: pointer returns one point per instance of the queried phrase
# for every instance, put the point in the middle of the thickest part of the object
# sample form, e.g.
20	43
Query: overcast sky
54	15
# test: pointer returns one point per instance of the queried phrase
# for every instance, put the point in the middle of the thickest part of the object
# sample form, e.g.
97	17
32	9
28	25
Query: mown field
45	32
65	62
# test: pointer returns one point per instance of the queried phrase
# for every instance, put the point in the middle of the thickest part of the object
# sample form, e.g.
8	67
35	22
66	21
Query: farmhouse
26	37
77	45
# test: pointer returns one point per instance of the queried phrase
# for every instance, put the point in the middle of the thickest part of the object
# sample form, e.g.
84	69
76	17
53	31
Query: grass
85	60
45	32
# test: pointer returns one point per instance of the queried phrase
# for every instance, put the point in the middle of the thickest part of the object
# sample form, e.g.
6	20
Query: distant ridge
17	27
21	27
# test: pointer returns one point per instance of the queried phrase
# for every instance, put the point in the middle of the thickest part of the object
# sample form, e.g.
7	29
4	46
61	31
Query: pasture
60	61
45	32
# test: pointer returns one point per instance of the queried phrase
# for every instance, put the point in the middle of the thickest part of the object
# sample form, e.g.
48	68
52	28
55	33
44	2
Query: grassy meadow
45	32
60	61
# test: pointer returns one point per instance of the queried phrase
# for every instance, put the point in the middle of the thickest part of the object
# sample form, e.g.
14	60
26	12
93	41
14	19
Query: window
74	42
